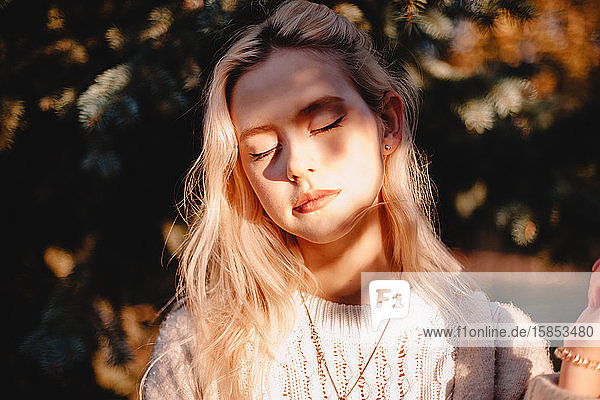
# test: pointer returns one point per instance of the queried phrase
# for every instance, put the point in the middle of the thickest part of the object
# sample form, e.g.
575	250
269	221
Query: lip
315	200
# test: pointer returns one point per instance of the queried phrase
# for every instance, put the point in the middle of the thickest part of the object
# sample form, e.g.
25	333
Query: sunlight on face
303	127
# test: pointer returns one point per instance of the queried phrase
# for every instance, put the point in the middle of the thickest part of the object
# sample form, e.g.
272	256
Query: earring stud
387	147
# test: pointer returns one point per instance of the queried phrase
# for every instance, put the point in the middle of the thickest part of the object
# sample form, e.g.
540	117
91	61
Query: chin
324	236
319	239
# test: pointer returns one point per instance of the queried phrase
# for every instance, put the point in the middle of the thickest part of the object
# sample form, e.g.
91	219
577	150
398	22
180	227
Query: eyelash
329	127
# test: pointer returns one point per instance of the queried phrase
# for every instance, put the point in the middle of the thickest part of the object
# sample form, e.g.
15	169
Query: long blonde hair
238	269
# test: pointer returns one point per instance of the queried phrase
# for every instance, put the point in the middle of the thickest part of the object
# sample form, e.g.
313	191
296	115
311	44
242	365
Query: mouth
316	201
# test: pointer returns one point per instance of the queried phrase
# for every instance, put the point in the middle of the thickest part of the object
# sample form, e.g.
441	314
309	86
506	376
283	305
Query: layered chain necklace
321	356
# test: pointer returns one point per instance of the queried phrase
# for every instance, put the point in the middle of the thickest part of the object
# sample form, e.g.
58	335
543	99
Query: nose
301	161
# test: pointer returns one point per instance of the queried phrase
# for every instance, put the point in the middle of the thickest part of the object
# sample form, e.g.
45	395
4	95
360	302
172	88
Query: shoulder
516	364
169	373
175	327
506	313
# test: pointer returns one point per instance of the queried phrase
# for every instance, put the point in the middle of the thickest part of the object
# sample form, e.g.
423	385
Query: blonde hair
238	269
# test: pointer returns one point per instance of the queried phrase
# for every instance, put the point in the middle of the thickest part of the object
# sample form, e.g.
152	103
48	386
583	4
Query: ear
391	113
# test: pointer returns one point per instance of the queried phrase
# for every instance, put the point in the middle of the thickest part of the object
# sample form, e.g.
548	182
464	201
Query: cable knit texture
406	365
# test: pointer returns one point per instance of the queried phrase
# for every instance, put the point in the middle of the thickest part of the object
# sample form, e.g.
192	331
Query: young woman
307	178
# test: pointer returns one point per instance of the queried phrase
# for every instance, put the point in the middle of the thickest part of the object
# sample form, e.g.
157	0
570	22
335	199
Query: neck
337	265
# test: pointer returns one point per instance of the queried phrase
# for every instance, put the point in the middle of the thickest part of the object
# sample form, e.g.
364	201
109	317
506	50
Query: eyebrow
319	104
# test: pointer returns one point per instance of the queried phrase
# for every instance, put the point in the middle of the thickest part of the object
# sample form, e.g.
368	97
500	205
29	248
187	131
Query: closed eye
258	156
334	124
329	127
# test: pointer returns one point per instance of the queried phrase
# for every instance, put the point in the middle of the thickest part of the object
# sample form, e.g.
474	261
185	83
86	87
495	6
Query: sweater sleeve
524	372
546	387
169	373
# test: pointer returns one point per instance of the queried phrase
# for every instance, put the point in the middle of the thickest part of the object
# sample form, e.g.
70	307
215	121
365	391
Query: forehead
276	89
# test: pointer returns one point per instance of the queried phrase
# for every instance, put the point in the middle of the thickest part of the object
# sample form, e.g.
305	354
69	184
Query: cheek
362	151
266	194
253	178
265	190
364	166
367	171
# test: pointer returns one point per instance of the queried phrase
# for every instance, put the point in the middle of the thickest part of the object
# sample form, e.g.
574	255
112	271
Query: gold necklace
321	357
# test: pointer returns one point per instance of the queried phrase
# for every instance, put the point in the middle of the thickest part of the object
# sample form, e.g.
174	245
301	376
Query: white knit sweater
405	365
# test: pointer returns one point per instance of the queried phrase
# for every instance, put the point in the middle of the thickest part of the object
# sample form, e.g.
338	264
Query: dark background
98	124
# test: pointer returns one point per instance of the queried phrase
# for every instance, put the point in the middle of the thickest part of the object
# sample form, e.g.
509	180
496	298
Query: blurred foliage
98	124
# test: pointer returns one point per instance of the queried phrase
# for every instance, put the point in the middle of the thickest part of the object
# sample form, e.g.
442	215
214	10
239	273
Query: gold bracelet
564	354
